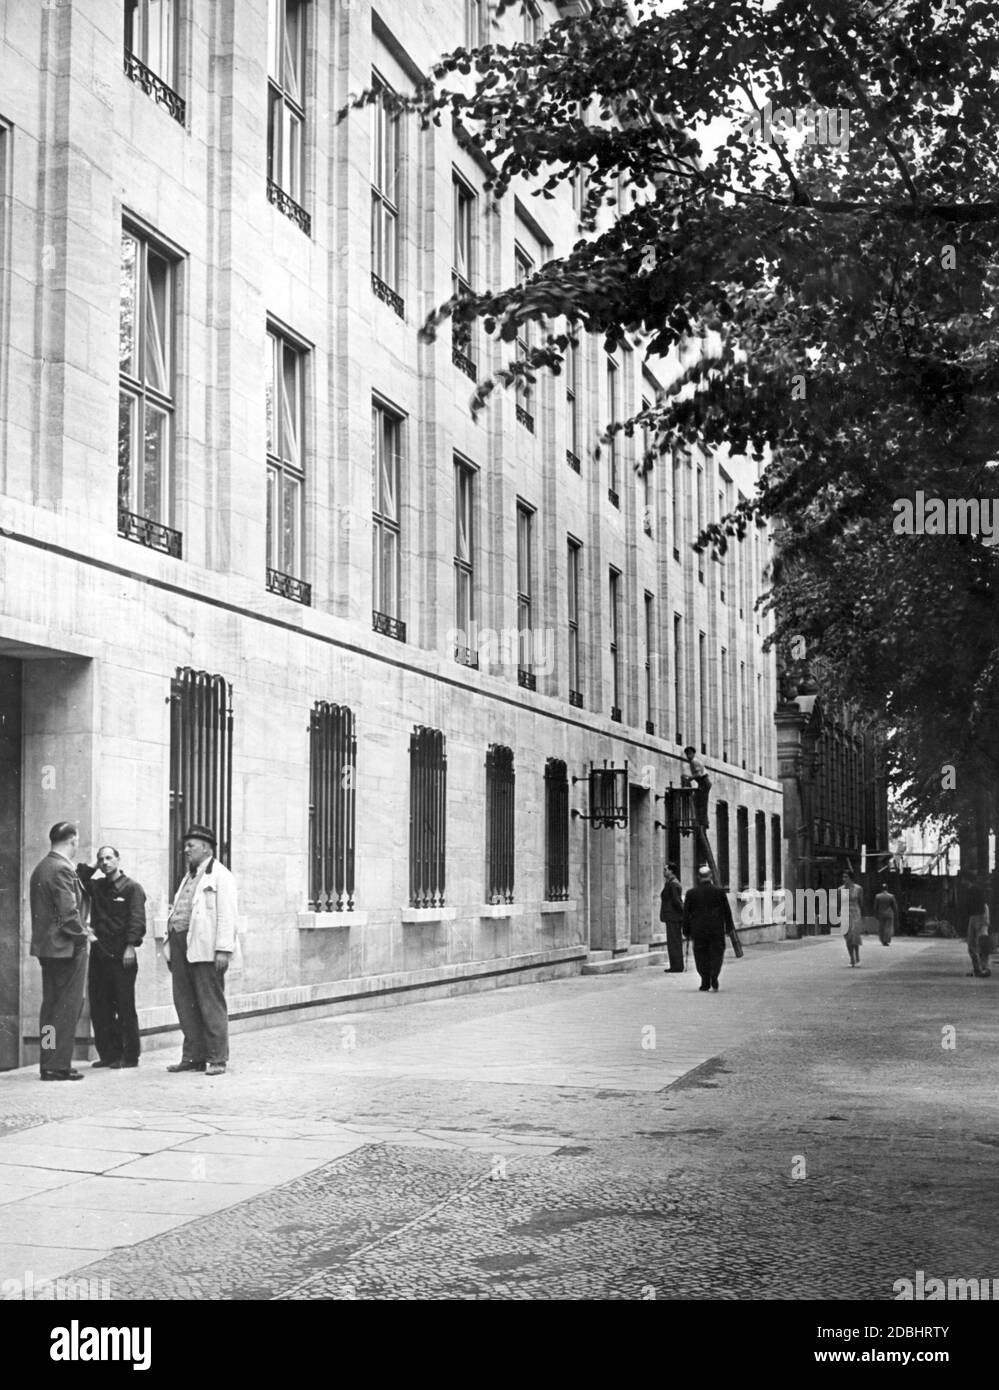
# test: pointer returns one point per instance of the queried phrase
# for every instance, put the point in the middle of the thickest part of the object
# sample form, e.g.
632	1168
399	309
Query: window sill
429	914
323	921
496	910
550	906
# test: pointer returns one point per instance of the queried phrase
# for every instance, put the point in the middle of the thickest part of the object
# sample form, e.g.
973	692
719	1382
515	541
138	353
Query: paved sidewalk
397	1121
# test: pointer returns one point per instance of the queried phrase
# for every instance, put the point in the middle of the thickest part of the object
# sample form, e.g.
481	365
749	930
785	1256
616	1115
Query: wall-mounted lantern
608	797
681	814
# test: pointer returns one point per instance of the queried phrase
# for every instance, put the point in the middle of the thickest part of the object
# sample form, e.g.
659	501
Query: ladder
704	848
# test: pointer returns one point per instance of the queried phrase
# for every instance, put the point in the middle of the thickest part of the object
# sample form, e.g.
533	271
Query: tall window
525	341
200	762
615	643
650	674
146	394
743	714
700	521
613	446
464	561
702	689
721	839
463	204
533	26
722	560
499	824
742	834
286	106
677	484
151	50
332	778
476	23
572	589
556	830
726	708
285	461
525	595
761	849
572	406
776	852
386	431
678	707
427	817
646	474
760	726
385	187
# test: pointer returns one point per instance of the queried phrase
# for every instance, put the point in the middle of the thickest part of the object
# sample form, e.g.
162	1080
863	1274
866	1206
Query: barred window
427	817
721	848
332	807
500	784
761	849
556	830
286	95
200	762
146	392
742	834
384	186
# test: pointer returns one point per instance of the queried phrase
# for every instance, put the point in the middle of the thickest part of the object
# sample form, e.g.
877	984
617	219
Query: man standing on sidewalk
201	937
59	940
706	918
118	921
671	912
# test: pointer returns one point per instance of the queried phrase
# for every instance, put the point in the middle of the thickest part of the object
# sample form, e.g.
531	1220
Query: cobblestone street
807	1133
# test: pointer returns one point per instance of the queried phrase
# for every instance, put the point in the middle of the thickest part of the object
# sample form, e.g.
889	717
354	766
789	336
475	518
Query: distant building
261	567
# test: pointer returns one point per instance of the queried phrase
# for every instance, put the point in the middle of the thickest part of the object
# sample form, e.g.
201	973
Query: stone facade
93	625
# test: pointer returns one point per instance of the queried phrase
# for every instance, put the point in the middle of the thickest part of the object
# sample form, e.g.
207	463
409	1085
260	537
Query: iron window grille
285	414
722	847
386	431
286	107
200	762
742	836
427	817
388	295
385	190
146	391
151	52
576	698
609	796
556	830
500	798
332	807
761	849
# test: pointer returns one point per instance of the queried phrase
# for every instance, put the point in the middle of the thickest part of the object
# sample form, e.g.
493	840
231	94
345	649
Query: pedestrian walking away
979	926
886	911
671	912
118	923
201	937
59	940
852	912
706	918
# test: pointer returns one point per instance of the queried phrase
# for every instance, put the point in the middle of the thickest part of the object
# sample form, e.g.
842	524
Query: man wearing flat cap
201	937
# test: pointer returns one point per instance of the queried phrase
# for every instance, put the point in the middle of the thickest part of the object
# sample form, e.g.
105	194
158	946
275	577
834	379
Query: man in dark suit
706	918
59	940
118	923
671	912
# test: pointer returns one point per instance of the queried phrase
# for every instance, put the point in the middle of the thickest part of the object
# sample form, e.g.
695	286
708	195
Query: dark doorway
10	862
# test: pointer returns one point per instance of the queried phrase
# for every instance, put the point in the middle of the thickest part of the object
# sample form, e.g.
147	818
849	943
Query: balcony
388	295
526	679
576	698
289	587
388	627
465	363
286	204
650	728
526	420
616	714
573	461
613	498
466	657
144	531
155	87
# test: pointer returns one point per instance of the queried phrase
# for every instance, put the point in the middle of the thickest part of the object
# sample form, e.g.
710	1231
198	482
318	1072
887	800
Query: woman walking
852	912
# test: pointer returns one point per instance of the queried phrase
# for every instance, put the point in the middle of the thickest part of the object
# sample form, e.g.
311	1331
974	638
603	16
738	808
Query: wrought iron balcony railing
650	728
576	698
573	461
388	295
145	531
289	587
462	360
388	627
613	498
286	204
526	678
155	87
526	420
615	714
465	656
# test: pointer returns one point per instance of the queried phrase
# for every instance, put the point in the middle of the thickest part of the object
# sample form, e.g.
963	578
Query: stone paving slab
143	1195
83	1229
72	1134
226	1168
22	1151
319	1150
10	1193
38	1179
42	1262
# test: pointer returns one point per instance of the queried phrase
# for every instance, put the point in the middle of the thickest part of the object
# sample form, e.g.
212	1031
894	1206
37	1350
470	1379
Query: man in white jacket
201	937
